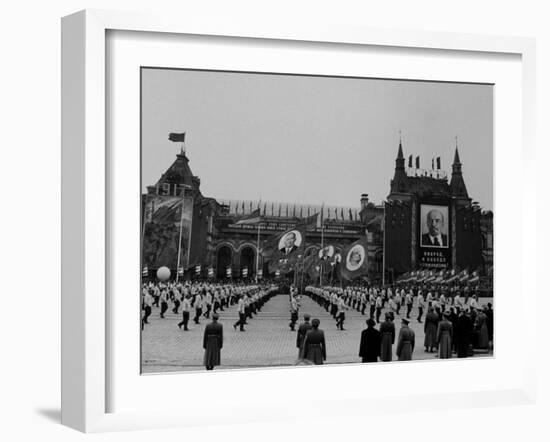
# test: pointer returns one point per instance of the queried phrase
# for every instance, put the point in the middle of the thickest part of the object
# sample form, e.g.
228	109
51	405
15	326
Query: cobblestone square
267	341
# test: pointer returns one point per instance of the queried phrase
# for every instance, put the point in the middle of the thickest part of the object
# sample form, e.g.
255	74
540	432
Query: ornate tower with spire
413	196
399	181
458	188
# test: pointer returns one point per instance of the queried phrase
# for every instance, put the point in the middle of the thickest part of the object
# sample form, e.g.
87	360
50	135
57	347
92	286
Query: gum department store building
211	238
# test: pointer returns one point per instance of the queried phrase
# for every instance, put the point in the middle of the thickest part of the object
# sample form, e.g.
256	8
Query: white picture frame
87	210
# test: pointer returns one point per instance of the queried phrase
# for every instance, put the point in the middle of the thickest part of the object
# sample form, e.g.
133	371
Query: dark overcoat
463	335
453	317
314	346
489	314
445	339
302	330
430	330
369	347
482	330
387	339
405	344
212	344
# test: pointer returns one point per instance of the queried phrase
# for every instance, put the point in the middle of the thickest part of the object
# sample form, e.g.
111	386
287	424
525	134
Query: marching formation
455	322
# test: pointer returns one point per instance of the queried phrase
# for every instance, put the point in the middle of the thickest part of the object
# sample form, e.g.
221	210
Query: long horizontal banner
278	227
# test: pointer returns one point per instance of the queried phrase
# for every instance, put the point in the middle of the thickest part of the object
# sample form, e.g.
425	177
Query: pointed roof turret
458	187
398	184
179	174
457	158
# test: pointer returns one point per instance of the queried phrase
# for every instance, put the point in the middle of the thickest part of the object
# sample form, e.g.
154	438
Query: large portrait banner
167	232
434	237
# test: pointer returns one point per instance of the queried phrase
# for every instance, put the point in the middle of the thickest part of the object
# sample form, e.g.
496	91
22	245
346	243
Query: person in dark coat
445	337
489	314
369	347
302	331
387	338
405	342
463	334
212	343
314	344
481	328
430	330
453	318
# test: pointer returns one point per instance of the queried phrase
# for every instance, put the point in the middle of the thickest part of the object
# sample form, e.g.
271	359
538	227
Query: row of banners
285	252
210	272
443	277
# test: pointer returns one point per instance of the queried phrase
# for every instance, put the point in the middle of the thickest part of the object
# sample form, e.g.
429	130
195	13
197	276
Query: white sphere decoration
163	274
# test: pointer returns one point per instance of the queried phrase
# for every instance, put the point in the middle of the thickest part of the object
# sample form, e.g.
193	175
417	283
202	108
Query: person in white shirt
473	303
399	300
147	302
457	302
208	304
341	315
379	304
163	302
241	310
197	304
186	311
443	302
429	299
409	303
372	302
364	302
176	297
421	306
293	312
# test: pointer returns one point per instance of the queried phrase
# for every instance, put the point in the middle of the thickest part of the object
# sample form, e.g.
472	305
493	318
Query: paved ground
268	340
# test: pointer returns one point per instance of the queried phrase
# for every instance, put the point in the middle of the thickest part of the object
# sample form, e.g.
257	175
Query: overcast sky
310	140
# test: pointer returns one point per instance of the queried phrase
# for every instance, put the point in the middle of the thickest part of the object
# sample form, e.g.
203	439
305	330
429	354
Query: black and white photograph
434	232
298	220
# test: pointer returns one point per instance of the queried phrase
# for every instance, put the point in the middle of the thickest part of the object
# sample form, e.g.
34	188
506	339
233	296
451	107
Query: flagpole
258	239
322	243
143	228
384	246
179	241
303	258
258	252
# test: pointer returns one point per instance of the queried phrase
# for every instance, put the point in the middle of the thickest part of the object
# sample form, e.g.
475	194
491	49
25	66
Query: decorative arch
227	244
246	244
247	258
224	259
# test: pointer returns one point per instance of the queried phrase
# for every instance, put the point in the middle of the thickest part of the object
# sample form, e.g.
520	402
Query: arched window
224	260
248	260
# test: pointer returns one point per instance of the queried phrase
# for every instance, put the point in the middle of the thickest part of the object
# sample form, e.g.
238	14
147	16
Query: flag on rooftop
177	138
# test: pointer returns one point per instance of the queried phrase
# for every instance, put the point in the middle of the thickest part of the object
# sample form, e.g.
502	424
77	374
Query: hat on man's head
307	317
405	320
215	316
371	322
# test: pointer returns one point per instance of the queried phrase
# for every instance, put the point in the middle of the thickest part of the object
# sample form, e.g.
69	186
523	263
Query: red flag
308	222
177	138
253	217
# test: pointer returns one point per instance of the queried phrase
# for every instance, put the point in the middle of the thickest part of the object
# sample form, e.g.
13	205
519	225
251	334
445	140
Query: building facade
212	241
431	222
200	236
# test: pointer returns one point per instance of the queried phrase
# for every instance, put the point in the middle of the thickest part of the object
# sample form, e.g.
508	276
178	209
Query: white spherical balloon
163	274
